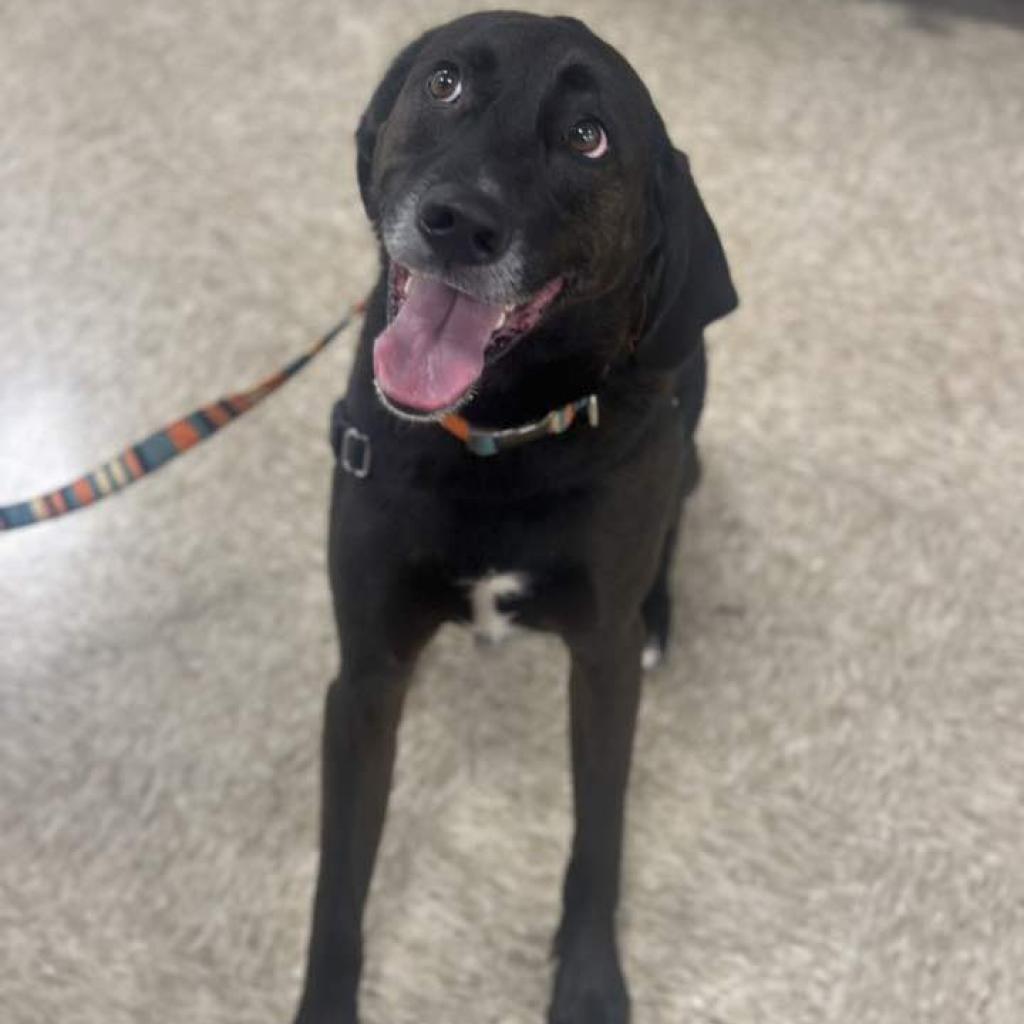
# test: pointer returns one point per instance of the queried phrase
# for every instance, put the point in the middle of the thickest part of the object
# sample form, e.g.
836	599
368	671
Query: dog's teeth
501	322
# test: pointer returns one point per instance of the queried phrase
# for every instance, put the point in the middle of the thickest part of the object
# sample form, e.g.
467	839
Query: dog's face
513	166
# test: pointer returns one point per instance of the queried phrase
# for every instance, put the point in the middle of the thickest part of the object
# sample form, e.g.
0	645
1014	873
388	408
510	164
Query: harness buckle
355	455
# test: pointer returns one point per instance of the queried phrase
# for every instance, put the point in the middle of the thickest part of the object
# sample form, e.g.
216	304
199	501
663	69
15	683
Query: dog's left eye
445	84
588	138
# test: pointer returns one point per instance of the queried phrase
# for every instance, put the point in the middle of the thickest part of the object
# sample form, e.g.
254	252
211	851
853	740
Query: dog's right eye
445	84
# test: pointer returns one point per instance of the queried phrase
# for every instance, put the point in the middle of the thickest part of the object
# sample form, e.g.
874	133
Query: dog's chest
493	598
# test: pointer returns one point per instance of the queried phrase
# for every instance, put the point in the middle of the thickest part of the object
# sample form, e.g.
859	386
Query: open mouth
439	340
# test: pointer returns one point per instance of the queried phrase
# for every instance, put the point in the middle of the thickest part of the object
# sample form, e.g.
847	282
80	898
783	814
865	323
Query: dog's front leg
361	717
604	696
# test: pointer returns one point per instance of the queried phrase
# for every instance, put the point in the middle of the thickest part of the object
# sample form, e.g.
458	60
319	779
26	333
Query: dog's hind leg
657	609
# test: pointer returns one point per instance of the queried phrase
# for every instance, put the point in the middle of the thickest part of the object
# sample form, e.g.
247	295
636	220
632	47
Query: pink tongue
433	351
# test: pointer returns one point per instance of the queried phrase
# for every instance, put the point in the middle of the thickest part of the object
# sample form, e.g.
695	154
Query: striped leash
148	455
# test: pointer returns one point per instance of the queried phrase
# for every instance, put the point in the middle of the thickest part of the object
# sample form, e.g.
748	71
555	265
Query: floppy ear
377	113
688	283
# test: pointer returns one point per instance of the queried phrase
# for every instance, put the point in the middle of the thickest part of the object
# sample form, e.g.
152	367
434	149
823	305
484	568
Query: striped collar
489	442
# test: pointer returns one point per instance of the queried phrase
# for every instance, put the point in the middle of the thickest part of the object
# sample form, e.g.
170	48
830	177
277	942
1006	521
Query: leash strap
148	455
352	447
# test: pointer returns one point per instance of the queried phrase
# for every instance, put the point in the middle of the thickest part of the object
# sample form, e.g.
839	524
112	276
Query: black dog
548	269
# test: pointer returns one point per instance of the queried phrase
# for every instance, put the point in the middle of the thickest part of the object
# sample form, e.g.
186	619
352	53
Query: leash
351	446
159	448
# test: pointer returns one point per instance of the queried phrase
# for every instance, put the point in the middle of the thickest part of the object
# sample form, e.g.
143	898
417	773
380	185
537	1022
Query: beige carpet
827	821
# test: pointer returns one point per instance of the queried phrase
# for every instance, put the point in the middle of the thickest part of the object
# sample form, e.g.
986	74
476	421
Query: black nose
462	226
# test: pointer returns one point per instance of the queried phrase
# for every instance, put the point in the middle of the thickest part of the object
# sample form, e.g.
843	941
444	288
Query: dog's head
515	167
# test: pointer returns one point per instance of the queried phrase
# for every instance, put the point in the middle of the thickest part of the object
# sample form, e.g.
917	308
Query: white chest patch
491	624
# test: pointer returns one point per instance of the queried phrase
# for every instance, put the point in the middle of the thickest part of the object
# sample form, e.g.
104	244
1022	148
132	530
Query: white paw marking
491	625
652	655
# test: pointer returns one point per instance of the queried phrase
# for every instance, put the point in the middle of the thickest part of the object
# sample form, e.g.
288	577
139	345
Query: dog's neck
529	390
577	353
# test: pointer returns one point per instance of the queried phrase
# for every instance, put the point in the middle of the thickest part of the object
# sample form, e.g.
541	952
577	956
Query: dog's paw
324	1011
589	986
326	1017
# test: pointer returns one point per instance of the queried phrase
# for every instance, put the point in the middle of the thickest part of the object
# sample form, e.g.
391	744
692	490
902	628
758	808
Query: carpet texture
827	815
